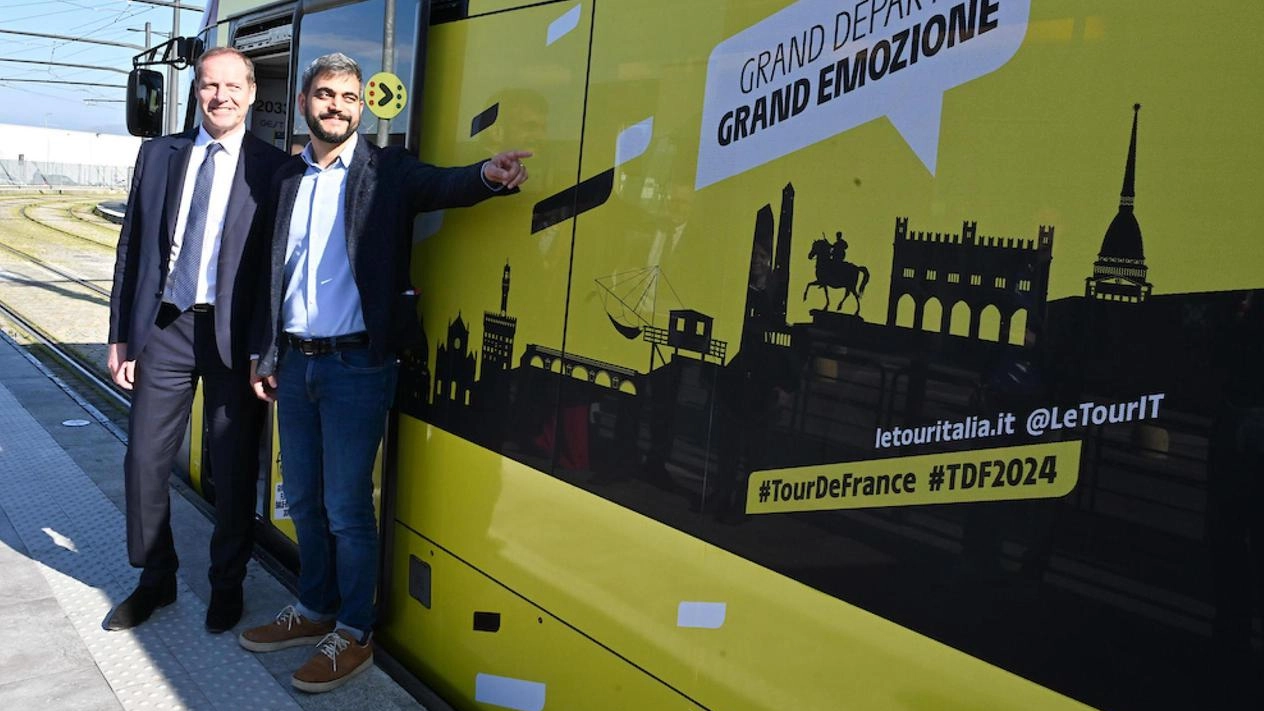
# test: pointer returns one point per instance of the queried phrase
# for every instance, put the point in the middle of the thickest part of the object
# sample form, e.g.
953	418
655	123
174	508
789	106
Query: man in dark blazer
337	308
189	255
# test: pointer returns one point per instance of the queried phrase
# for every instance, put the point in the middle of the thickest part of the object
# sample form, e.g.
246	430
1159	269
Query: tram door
265	38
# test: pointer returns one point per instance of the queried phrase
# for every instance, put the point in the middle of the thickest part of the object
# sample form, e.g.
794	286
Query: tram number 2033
270	107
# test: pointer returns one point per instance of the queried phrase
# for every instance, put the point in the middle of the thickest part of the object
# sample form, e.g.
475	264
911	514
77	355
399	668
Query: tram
876	355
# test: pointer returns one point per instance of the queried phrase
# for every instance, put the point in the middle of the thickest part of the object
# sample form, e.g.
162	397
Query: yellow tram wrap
876	355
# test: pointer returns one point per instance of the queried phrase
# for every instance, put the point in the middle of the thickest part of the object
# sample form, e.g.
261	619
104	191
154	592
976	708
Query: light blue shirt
321	298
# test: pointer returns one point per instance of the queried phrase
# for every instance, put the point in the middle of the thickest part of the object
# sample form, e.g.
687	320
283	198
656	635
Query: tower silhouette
1120	272
499	330
769	276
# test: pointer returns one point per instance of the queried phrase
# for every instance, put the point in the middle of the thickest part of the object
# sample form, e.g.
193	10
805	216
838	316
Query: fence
44	174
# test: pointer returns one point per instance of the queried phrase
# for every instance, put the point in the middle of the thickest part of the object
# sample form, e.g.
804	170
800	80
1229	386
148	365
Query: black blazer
385	190
144	246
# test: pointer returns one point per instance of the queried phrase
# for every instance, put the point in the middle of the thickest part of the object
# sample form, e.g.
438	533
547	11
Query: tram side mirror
144	103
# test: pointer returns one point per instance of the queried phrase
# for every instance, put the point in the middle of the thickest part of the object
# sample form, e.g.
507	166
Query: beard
313	123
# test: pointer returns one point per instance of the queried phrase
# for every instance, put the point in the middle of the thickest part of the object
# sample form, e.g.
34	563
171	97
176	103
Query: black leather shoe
140	605
224	611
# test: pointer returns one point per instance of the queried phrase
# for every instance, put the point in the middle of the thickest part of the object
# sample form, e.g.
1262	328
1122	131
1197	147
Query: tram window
357	30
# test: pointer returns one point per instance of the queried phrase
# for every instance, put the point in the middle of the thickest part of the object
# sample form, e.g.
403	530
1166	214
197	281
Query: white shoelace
330	645
287	617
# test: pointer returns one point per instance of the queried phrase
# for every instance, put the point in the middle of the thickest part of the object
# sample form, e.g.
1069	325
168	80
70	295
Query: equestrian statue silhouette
833	271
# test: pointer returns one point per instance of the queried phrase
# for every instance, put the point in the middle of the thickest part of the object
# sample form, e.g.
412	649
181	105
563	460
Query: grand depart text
963	22
901	50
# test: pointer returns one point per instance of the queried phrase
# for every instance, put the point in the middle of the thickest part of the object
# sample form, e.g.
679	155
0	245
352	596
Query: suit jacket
144	246
385	190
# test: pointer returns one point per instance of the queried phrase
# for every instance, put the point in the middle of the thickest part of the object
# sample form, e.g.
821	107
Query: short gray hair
336	63
220	51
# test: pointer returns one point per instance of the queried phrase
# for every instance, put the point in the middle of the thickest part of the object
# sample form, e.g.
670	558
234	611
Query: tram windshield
383	37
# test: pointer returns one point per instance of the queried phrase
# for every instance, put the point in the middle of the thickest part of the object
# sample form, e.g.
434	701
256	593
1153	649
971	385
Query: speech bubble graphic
821	67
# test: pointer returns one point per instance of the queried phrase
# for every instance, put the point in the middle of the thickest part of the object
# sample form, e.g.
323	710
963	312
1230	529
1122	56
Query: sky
48	101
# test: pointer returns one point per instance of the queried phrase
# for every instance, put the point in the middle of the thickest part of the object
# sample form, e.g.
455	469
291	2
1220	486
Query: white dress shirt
225	170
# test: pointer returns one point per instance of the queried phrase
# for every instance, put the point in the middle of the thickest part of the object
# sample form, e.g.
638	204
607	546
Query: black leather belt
196	308
324	346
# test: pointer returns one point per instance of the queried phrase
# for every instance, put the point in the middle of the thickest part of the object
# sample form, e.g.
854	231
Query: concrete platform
63	566
112	211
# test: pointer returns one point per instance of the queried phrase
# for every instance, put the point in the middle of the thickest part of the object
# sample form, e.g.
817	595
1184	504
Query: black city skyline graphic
969	330
938	272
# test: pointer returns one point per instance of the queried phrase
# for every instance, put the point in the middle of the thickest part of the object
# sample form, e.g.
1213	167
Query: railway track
92	218
25	211
86	283
53	307
24	206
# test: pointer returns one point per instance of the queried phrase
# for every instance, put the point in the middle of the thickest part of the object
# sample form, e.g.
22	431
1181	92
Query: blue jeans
332	414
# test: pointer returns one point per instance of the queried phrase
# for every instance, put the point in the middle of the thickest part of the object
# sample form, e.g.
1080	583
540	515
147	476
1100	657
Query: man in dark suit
188	258
337	308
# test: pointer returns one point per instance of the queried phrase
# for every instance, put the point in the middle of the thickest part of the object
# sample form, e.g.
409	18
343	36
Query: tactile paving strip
76	537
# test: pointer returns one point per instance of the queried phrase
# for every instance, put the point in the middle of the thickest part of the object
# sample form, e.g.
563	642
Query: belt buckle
200	308
308	347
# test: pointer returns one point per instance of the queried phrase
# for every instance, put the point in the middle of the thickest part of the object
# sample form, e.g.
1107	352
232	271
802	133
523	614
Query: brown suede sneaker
338	657
289	629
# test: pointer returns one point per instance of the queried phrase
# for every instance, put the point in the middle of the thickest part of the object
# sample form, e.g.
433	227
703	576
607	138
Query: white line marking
509	692
705	615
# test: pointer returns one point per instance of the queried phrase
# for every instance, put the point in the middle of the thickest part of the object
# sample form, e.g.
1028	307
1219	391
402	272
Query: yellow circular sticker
386	95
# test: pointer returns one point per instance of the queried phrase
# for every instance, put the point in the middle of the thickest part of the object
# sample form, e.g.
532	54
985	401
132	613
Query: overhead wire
108	23
94	28
42	15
